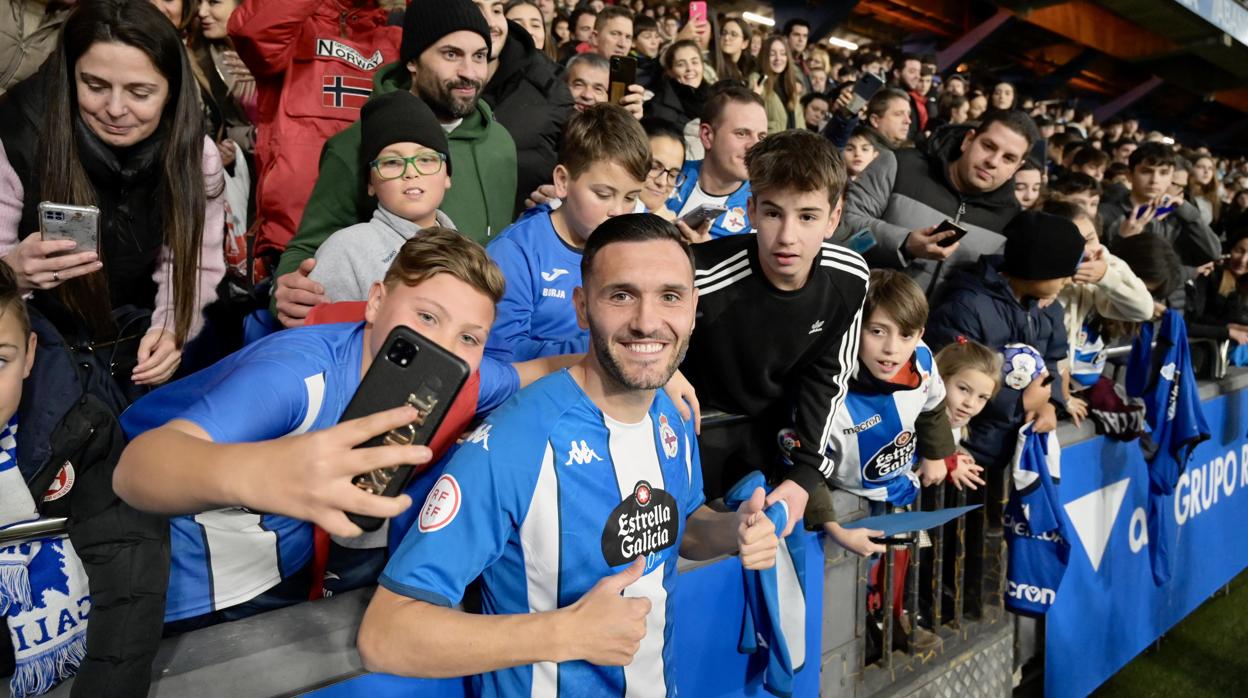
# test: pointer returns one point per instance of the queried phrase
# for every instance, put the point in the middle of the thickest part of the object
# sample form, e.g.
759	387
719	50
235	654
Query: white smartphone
65	222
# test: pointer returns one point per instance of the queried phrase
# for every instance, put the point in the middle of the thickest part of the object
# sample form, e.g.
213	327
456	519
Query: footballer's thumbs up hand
605	627
756	534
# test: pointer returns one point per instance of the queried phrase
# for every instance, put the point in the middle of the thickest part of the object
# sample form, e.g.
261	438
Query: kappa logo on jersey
668	436
734	220
481	436
345	91
581	454
61	484
892	460
862	426
348	54
817	327
645	523
550	276
441	505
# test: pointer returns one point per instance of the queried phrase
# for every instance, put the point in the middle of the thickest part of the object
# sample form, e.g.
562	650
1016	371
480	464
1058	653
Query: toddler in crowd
409	172
893	412
603	166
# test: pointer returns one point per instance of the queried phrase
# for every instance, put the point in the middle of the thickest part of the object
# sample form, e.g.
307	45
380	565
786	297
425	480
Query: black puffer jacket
979	305
125	552
529	98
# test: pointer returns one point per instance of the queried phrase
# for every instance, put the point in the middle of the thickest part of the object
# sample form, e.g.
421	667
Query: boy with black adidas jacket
778	319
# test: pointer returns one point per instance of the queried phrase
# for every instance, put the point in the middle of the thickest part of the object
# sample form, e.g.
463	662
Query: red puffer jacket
314	62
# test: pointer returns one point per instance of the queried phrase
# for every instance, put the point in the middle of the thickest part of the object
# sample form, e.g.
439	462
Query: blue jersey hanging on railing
1035	527
1162	376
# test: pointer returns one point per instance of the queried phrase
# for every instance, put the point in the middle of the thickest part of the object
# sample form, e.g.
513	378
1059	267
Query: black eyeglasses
674	176
427	163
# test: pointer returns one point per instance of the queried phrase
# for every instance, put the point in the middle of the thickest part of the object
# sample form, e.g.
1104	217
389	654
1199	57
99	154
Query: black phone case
430	383
950	225
623	74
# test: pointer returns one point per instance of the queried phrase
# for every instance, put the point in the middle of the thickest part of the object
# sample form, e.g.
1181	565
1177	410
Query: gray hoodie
353	258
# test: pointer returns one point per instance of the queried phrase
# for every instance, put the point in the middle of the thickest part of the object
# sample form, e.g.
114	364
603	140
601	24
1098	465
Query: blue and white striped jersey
288	383
873	441
544	499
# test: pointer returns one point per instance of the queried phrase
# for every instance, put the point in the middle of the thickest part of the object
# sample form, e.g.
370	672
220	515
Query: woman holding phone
111	121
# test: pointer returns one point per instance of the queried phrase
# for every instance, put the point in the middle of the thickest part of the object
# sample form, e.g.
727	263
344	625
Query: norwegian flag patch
345	91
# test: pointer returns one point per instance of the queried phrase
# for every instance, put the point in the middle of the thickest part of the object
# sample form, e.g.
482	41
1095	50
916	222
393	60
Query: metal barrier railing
31	530
953	581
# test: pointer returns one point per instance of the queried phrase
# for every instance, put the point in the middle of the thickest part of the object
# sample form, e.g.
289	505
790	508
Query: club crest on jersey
667	435
645	523
348	54
894	459
441	505
61	484
734	219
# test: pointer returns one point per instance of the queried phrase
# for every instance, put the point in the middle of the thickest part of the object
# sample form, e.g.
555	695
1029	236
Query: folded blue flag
907	521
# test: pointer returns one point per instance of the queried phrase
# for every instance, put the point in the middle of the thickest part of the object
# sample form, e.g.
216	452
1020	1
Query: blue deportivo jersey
535	317
873	441
291	382
1163	377
1035	527
735	221
1088	356
544	499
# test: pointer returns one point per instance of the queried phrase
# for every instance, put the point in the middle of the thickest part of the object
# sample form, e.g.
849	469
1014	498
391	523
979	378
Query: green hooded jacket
483	175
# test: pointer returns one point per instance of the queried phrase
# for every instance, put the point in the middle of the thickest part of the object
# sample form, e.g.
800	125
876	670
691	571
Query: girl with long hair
1206	192
112	121
226	85
779	86
733	60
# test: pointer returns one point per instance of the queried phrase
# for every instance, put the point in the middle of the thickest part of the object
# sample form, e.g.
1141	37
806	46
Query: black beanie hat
426	21
1042	246
400	117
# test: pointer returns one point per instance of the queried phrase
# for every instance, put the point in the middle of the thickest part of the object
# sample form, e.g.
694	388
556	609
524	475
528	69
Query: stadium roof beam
968	41
823	16
1130	97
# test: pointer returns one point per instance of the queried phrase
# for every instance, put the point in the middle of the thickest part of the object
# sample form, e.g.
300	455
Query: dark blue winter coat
980	305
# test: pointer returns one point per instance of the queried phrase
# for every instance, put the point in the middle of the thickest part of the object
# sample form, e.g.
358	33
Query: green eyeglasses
426	163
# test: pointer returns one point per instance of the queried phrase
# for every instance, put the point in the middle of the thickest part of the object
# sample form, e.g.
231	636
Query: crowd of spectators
279	183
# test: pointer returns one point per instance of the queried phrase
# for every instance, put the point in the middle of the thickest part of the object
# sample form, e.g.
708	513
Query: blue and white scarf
43	589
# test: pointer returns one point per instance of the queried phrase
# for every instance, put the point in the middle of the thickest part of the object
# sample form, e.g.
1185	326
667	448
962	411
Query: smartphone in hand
697	12
65	222
409	370
950	241
623	74
702	214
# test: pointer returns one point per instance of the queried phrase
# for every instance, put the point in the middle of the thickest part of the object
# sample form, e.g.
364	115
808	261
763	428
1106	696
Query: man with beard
444	60
571	503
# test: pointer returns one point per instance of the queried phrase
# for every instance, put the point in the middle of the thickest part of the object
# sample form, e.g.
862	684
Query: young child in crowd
1028	185
602	170
859	151
1011	299
1103	287
1079	189
895	410
972	376
409	171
